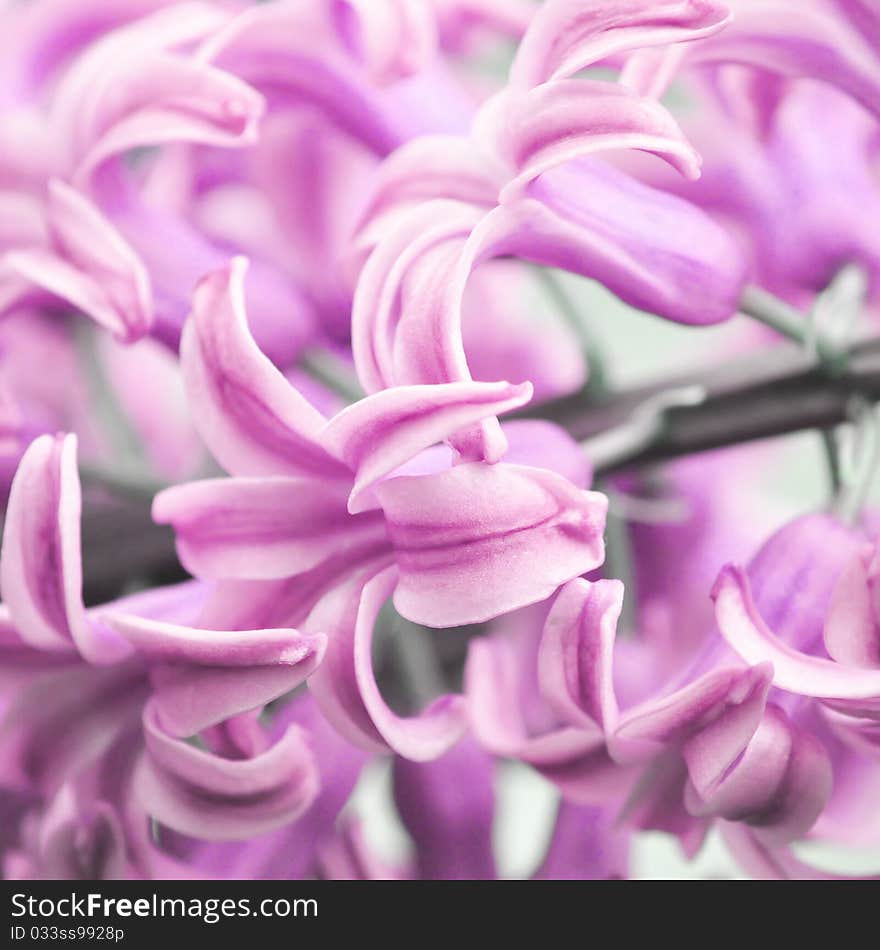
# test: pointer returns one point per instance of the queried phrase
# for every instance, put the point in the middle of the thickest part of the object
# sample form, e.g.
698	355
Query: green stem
769	310
860	475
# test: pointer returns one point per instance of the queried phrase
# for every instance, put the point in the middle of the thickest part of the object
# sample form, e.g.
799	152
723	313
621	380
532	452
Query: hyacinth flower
198	79
327	519
759	183
448	808
97	705
525	184
718	741
820	633
775	155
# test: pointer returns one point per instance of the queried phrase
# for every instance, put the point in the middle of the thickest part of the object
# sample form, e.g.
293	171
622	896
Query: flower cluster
307	471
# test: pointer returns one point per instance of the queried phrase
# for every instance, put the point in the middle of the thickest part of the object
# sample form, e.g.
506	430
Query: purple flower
345	513
98	703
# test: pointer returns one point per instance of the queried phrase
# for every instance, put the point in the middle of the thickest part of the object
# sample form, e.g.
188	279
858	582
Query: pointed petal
733	695
346	689
130	90
657	252
488	538
392	38
41	565
264	528
575	656
205	676
780	782
560	121
197	793
814	45
586	845
852	625
422	243
428	167
378	434
566	36
253	421
88	265
746	632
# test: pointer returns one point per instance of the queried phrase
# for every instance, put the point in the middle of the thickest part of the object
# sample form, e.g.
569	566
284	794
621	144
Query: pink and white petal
63	28
458	19
416	259
88	264
779	783
864	16
734	698
575	655
175	27
566	36
172	101
202	677
264	528
650	72
41	565
378	434
81	839
748	634
479	540
560	121
346	689
574	758
197	793
130	91
428	167
657	252
252	419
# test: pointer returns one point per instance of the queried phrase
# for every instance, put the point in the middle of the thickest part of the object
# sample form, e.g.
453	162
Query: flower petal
346	689
479	540
265	528
655	251
195	792
41	565
814	45
566	36
795	672
378	434
575	656
852	625
586	845
780	782
89	265
202	677
129	90
557	122
732	697
253	421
